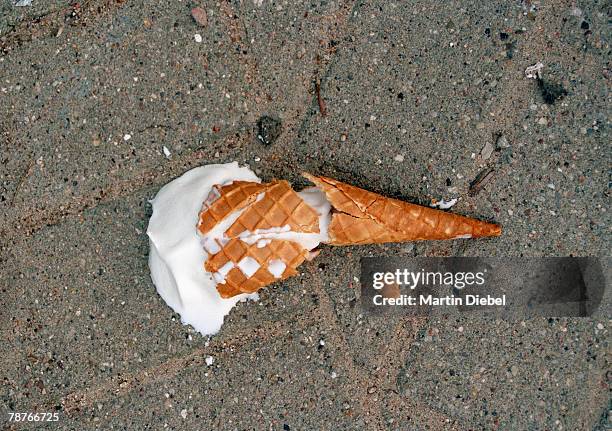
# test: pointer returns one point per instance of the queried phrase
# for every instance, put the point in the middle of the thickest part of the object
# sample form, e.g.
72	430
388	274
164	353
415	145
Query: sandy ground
418	98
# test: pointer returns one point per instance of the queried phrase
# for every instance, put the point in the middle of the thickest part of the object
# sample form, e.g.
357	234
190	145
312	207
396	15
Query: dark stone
268	129
510	46
503	36
551	91
584	25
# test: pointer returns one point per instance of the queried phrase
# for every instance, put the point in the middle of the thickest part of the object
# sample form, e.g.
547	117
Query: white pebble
197	37
184	413
399	158
127	137
209	360
334	375
600	326
166	152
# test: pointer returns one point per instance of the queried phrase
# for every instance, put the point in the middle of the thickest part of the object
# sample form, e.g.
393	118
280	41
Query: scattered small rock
127	137
209	360
372	389
184	413
502	142
444	205
535	71
166	152
399	158
576	11
200	16
486	151
268	129
197	37
543	121
22	3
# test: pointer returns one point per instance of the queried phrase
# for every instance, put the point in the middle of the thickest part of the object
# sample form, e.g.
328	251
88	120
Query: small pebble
127	137
184	413
600	326
486	151
166	151
399	158
268	129
198	38
209	360
543	121
576	11
502	142
334	375
200	16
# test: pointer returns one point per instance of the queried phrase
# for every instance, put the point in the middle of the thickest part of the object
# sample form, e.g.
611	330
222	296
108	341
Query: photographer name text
430	300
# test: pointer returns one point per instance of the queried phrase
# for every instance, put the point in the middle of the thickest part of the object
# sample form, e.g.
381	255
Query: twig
320	100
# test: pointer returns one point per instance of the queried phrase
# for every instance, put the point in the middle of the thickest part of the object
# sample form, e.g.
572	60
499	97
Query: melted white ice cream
178	251
177	255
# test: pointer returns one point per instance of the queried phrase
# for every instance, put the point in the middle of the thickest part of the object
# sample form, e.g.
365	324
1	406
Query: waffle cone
225	199
235	282
363	217
271	206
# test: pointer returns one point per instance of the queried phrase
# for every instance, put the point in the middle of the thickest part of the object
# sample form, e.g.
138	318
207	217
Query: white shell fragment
535	71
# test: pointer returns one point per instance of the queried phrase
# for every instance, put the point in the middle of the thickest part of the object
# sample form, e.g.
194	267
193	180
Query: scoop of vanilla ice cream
178	252
177	256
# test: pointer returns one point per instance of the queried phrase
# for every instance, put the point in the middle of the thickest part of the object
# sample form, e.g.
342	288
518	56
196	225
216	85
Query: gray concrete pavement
413	91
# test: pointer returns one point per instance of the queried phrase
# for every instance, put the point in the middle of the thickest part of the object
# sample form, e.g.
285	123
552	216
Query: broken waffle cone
238	259
249	229
363	217
226	199
281	206
243	268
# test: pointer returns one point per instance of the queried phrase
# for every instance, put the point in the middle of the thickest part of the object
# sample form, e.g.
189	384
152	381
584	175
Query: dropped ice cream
217	234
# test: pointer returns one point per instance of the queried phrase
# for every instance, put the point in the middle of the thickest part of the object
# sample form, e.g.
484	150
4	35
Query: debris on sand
550	91
535	71
444	205
200	16
268	129
22	3
320	100
486	151
481	180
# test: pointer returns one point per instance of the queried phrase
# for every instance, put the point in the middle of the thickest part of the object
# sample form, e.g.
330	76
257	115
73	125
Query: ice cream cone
238	214
363	217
